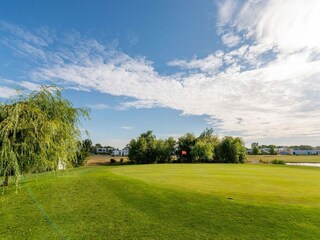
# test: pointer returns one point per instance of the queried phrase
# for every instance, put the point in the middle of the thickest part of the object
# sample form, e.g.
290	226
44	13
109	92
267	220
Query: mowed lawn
165	201
286	158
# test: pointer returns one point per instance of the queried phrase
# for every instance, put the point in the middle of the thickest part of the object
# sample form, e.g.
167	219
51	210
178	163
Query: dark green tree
86	145
143	149
164	149
185	144
230	150
255	150
83	152
272	150
203	149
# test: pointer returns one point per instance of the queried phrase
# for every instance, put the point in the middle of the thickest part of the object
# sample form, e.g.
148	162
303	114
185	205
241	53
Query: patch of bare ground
101	160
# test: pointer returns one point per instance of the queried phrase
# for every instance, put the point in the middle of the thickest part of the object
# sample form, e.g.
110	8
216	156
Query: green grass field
166	201
286	158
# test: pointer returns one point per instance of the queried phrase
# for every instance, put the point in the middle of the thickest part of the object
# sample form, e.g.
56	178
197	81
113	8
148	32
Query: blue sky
245	68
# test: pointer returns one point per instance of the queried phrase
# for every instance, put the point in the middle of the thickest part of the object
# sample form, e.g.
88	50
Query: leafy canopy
231	150
38	131
147	149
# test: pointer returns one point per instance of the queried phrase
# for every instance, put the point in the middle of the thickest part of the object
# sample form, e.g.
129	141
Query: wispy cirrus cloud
126	127
210	64
98	106
230	39
29	85
266	83
6	92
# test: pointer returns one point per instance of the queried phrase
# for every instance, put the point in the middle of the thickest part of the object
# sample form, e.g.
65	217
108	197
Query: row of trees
256	149
147	149
207	147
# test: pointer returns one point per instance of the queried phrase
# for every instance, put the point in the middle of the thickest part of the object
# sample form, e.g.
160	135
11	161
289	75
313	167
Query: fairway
165	201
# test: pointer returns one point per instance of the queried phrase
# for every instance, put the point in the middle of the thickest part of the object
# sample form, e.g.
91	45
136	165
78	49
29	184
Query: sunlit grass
172	201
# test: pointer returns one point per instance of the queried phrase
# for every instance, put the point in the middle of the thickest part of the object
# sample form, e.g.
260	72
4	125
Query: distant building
123	152
265	150
283	150
305	152
101	150
249	151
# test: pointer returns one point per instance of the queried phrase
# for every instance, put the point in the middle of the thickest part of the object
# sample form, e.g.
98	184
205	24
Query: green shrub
112	160
275	161
230	150
81	158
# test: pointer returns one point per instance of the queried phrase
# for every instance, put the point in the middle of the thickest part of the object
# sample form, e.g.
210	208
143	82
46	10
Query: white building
123	152
101	150
283	150
265	150
305	152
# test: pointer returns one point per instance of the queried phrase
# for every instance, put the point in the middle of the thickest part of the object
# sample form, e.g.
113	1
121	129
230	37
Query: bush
121	160
81	158
112	160
275	161
230	150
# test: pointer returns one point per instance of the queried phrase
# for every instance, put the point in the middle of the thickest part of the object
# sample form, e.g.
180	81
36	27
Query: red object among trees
184	152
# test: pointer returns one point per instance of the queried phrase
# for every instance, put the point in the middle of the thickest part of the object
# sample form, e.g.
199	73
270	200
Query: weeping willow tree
38	132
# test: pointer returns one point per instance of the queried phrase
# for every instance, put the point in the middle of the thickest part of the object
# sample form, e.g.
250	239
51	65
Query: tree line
205	148
39	131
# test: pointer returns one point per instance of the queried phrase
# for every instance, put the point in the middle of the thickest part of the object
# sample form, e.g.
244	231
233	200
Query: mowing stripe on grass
43	212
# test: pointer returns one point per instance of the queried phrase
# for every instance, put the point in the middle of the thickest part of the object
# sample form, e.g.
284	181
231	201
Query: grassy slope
167	202
286	158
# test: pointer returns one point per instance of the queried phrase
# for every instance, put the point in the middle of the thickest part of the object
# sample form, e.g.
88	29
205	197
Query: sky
248	68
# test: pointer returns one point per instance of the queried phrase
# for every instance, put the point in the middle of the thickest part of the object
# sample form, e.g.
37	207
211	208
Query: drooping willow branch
37	131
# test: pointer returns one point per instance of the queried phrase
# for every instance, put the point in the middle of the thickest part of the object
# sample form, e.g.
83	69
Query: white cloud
6	92
23	34
230	40
126	127
140	104
14	88
98	106
30	85
209	64
286	24
269	81
227	10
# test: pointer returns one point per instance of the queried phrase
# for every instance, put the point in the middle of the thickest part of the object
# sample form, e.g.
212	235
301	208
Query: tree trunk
5	181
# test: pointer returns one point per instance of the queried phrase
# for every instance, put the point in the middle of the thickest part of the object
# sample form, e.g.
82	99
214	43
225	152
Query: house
265	150
283	150
115	152
249	151
123	152
101	150
305	152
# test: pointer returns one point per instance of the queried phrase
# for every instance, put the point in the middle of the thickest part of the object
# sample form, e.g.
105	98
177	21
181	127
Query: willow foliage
38	132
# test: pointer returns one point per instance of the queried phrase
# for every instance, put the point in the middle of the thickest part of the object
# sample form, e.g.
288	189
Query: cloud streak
98	106
6	92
